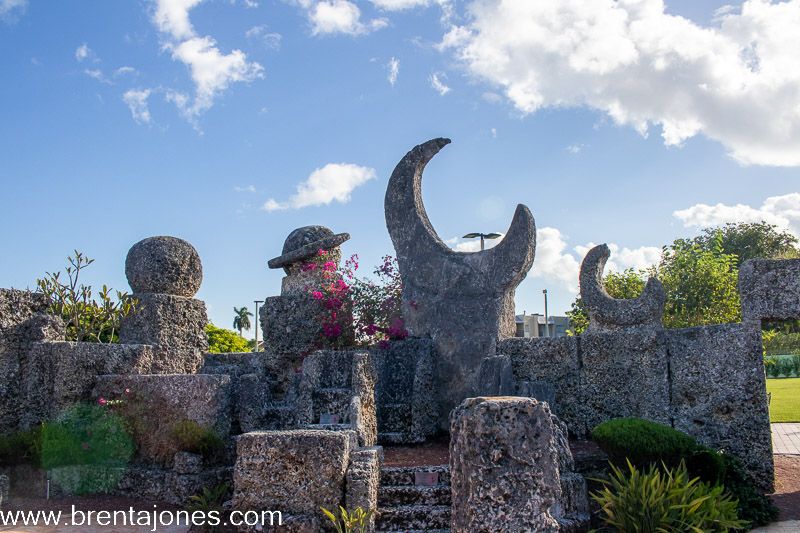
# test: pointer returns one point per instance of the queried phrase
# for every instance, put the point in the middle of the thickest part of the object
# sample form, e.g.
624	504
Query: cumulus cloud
97	74
624	258
783	211
339	16
333	182
553	260
212	71
269	39
394	69
437	83
246	188
10	9
137	103
735	80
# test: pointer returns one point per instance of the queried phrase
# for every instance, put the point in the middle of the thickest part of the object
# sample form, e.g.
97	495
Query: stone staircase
405	506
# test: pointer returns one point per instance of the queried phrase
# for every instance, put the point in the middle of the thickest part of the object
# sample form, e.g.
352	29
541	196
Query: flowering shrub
356	310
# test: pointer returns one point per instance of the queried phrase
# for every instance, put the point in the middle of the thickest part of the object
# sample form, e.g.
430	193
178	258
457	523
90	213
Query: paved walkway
786	439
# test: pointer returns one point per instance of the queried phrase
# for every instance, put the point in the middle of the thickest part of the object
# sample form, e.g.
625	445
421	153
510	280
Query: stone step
330	427
411	517
404	475
392	496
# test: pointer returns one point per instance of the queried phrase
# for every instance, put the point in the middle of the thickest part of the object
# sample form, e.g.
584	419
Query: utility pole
258	322
482	236
546	319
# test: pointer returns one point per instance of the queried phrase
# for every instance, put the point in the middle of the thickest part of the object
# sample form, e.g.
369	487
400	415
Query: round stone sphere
165	265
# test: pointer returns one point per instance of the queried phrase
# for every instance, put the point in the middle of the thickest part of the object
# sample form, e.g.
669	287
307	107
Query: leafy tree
749	240
221	340
242	319
701	284
627	284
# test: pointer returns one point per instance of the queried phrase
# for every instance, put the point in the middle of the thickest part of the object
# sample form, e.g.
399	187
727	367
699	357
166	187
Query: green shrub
22	447
646	444
195	438
660	500
85	435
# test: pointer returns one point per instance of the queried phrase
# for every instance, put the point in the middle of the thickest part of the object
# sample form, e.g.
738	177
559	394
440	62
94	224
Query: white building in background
533	325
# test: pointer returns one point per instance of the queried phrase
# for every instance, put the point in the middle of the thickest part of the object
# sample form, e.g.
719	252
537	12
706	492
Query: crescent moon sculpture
463	301
610	314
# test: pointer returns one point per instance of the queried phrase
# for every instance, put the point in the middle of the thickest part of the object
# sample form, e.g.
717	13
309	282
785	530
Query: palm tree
242	320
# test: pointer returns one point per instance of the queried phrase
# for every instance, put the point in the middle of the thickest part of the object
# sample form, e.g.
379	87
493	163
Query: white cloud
783	211
246	188
735	81
271	40
553	261
137	102
98	75
494	133
122	71
437	84
211	70
82	52
333	182
398	5
340	16
394	69
575	148
9	9
624	258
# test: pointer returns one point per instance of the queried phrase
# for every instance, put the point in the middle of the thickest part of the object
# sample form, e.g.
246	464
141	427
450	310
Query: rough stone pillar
463	301
164	274
295	472
504	463
291	321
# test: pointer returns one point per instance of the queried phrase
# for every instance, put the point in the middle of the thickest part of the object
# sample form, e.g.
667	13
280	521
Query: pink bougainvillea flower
370	329
317	295
127	391
322	252
329	266
102	401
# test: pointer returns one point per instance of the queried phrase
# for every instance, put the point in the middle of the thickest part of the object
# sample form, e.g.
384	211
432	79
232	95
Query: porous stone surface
342	384
437	280
504	466
362	481
496	376
22	322
165	265
187	463
174	325
770	289
159	402
250	386
291	330
407	409
4	488
624	374
610	314
61	374
719	393
552	364
304	243
295	472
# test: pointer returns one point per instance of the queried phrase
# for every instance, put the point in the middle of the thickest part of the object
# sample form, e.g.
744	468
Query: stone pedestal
174	325
504	463
295	472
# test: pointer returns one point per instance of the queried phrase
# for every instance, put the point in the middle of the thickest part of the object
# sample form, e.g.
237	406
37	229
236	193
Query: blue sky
630	123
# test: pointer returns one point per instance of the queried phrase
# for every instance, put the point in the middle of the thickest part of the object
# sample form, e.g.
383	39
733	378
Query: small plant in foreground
660	500
356	521
86	319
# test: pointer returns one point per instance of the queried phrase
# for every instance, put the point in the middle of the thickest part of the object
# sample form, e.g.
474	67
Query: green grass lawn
785	403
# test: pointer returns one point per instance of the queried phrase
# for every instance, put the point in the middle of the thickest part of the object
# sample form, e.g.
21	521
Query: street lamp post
482	236
546	319
258	323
